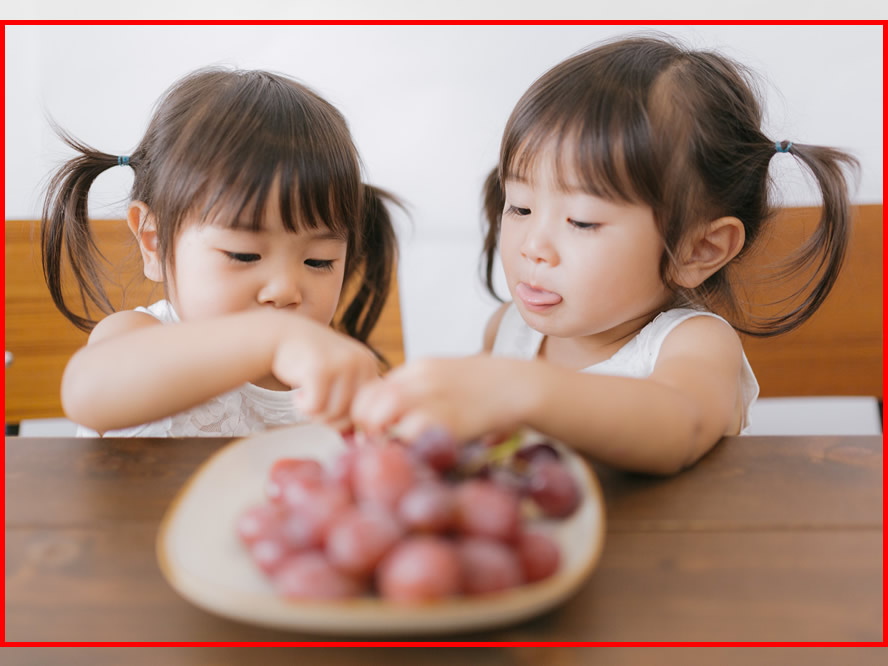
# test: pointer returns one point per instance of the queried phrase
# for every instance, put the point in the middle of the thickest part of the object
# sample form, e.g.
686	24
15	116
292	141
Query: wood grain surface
433	656
765	539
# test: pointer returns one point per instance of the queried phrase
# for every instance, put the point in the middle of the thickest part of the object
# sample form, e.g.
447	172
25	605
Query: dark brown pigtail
65	236
494	200
823	253
375	261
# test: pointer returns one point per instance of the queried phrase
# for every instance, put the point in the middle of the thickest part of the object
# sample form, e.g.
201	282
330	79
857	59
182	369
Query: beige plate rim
184	536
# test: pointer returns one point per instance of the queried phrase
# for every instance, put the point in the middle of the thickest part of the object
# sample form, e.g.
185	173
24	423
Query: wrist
269	328
521	392
530	393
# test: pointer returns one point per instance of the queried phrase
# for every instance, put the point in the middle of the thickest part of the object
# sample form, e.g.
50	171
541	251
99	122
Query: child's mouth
535	298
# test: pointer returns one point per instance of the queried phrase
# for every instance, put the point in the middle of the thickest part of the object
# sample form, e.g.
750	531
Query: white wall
426	105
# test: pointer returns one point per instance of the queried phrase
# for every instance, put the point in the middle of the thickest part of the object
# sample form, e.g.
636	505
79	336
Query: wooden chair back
839	350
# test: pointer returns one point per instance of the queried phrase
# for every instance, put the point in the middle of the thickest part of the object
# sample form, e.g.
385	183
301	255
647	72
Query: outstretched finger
414	423
377	406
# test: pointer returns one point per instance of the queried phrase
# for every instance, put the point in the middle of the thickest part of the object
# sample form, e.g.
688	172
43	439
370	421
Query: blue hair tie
122	160
781	148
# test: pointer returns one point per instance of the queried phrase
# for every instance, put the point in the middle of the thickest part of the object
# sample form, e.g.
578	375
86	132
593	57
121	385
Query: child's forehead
271	224
568	162
275	212
549	165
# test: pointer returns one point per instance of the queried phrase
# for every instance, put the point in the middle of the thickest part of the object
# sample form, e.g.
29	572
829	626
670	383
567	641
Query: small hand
327	366
470	397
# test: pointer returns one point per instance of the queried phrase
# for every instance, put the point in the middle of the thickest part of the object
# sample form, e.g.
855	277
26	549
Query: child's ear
707	250
141	222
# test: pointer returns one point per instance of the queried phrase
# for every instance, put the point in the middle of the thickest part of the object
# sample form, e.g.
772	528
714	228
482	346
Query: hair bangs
274	139
599	140
245	199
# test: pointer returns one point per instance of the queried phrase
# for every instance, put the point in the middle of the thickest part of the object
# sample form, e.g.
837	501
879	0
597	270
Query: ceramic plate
203	559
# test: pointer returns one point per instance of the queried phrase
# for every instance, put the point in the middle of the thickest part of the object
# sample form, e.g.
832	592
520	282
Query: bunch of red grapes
413	523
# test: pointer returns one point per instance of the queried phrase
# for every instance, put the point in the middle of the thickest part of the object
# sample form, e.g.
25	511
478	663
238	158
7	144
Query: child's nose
281	289
537	247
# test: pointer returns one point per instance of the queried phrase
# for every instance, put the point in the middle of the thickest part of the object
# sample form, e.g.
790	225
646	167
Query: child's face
576	264
222	271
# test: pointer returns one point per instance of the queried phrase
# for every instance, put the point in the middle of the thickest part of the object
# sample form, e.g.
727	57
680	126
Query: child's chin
545	323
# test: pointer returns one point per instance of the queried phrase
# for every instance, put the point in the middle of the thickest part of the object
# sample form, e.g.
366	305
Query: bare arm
135	369
659	424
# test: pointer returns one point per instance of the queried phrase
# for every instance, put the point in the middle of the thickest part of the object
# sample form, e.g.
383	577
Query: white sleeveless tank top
636	358
245	410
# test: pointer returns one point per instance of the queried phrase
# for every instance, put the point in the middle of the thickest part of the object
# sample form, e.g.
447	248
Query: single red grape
309	575
382	474
487	565
287	471
420	569
430	506
303	528
341	472
257	522
327	498
359	539
268	553
539	556
553	488
485	509
436	448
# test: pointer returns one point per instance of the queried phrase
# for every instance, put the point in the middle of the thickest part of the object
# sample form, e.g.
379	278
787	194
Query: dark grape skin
538	451
553	488
437	448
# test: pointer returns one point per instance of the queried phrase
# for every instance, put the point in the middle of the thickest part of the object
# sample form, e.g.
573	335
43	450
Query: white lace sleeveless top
636	358
245	410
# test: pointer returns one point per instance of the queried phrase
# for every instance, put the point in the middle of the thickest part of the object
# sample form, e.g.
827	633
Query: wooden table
765	539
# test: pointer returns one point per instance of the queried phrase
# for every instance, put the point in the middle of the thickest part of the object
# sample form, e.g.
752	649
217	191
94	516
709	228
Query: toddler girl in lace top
248	206
631	178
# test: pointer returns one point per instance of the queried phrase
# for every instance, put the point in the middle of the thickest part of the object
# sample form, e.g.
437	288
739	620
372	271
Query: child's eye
516	210
584	225
321	264
243	257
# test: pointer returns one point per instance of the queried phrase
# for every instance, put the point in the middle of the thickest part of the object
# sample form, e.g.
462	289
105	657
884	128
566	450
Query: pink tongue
537	296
